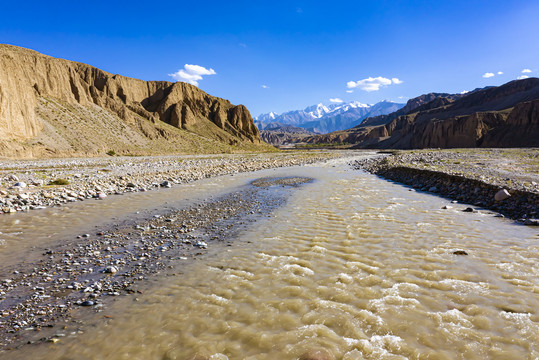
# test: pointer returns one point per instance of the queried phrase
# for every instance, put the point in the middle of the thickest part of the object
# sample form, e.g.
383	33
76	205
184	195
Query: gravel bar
43	301
502	180
36	184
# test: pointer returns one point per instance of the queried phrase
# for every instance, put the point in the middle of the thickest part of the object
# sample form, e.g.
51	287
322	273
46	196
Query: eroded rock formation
27	77
504	116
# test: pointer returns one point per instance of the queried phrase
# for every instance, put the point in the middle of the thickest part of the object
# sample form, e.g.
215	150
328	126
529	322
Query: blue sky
284	55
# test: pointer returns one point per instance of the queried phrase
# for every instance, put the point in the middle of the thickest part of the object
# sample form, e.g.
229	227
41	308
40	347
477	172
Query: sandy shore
472	176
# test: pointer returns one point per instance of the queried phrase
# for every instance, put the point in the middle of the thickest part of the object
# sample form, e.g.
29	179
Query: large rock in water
38	91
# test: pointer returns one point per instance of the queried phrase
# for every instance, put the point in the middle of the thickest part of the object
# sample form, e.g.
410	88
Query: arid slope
56	107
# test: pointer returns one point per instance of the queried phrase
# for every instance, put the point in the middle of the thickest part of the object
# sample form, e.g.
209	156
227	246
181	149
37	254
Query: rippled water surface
361	267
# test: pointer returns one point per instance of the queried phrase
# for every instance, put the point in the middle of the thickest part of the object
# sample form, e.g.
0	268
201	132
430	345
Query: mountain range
322	119
501	116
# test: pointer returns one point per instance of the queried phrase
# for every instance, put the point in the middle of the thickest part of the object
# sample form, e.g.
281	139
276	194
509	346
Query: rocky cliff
425	100
38	92
503	116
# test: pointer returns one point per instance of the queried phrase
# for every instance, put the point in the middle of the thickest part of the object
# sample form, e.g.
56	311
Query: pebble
166	184
87	303
531	222
502	195
111	270
460	252
201	244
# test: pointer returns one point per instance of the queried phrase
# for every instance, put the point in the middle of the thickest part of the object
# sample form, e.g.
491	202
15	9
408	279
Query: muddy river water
352	264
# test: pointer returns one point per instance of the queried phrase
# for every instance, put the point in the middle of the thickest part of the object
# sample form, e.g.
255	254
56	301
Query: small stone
502	195
201	244
460	252
111	270
468	209
87	303
166	184
20	184
101	195
13	178
85	235
445	207
531	222
433	189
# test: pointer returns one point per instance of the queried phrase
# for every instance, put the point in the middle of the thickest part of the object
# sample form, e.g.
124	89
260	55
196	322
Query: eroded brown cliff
28	79
503	116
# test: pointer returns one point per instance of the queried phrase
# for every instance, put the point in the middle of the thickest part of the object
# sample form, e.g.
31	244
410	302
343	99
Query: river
358	266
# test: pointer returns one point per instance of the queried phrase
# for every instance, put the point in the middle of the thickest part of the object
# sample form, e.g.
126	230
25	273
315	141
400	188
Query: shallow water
361	267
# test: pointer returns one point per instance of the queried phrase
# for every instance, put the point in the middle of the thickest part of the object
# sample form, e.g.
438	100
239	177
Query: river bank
42	292
346	266
472	176
45	300
36	184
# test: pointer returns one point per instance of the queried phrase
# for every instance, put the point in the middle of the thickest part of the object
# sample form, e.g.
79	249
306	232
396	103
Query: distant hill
503	116
278	134
56	107
322	119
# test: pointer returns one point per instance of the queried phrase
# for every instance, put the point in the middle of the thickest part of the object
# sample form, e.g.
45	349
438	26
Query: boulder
502	195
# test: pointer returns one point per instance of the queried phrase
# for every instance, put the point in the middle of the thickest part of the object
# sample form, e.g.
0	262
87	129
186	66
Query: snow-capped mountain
323	119
267	117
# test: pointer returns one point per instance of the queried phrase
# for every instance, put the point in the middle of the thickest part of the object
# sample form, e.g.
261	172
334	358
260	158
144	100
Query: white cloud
464	92
522	77
264	86
372	84
349	91
192	74
500	72
336	100
488	75
526	71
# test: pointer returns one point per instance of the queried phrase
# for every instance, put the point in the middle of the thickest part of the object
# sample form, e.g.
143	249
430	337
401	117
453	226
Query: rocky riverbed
45	301
473	176
36	184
